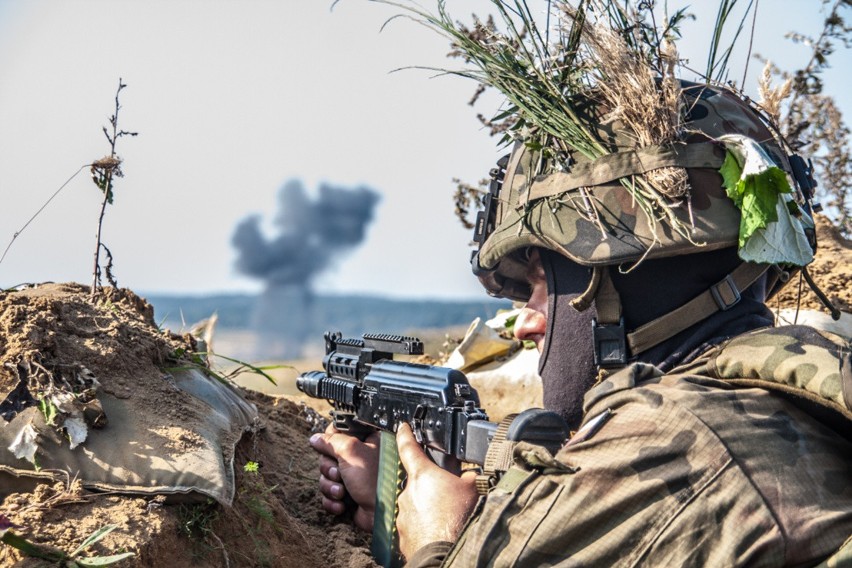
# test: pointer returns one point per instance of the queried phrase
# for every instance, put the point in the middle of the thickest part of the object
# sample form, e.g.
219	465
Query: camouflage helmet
587	215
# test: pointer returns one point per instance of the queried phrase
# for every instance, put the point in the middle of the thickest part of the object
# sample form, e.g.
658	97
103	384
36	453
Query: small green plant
197	520
104	171
258	505
200	360
251	467
196	523
257	496
73	560
49	411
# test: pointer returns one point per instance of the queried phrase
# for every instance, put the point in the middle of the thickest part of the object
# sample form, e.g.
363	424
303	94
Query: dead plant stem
96	272
104	171
37	213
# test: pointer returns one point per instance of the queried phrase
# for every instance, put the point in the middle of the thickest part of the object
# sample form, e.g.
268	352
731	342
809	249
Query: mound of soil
87	362
53	337
831	271
55	329
275	519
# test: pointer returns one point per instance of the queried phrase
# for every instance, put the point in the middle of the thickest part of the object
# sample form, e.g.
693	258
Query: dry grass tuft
649	107
771	98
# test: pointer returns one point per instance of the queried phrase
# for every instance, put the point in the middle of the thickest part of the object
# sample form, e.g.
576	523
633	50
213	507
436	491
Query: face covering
567	366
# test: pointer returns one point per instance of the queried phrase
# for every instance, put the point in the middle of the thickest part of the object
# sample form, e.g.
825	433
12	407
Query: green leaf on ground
103	560
94	537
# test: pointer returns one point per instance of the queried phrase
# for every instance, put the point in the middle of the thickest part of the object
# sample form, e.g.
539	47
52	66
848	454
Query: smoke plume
312	232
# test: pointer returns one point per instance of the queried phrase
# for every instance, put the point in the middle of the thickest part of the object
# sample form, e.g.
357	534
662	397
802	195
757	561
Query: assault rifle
370	391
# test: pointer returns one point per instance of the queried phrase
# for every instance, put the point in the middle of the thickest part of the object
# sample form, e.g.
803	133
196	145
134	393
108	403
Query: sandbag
161	424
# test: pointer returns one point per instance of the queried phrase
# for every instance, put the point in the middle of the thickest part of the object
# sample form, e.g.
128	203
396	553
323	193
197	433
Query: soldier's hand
348	466
435	503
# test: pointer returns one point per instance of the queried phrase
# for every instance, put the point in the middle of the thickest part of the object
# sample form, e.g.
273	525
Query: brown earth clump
51	335
53	338
276	519
831	271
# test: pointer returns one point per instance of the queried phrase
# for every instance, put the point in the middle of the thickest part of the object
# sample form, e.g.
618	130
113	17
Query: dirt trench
276	519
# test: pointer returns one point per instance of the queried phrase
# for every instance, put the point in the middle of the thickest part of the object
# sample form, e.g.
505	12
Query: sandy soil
52	337
831	270
276	519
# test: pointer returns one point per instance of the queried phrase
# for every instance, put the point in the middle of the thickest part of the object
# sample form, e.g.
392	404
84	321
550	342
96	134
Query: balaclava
650	290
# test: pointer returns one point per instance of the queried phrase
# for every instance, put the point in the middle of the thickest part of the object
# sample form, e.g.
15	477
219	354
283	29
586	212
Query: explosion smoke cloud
312	233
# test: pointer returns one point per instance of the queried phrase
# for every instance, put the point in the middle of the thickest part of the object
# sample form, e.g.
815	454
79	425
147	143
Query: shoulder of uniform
811	366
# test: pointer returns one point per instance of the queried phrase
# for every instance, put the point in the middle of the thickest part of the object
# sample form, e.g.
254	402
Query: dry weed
649	107
772	97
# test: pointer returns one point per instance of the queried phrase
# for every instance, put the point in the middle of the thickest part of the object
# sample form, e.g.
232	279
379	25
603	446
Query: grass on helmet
600	52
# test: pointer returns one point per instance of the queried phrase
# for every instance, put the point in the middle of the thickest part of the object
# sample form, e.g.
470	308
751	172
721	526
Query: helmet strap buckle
608	332
610	344
725	293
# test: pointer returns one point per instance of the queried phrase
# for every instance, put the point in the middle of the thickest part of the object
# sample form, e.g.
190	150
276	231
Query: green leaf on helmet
731	173
756	195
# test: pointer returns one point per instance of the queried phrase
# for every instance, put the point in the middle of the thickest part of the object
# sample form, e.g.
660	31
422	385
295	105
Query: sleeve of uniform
430	556
651	466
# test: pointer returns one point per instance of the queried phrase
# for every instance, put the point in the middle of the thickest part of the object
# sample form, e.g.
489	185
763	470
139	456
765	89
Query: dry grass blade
547	85
772	97
650	107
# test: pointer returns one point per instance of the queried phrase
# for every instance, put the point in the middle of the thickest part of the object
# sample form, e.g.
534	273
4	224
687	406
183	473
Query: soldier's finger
332	506
373	440
412	456
330	468
470	476
363	519
319	442
344	445
335	445
331	489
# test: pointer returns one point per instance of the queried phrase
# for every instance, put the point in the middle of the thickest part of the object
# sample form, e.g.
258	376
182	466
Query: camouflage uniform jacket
691	468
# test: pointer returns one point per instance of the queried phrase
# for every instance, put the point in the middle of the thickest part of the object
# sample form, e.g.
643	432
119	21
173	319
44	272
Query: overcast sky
233	99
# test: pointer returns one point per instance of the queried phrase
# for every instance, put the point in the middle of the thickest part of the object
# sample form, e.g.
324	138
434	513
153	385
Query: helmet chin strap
608	332
613	345
570	363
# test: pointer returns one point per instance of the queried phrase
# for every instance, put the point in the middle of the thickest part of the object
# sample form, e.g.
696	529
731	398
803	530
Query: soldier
706	437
